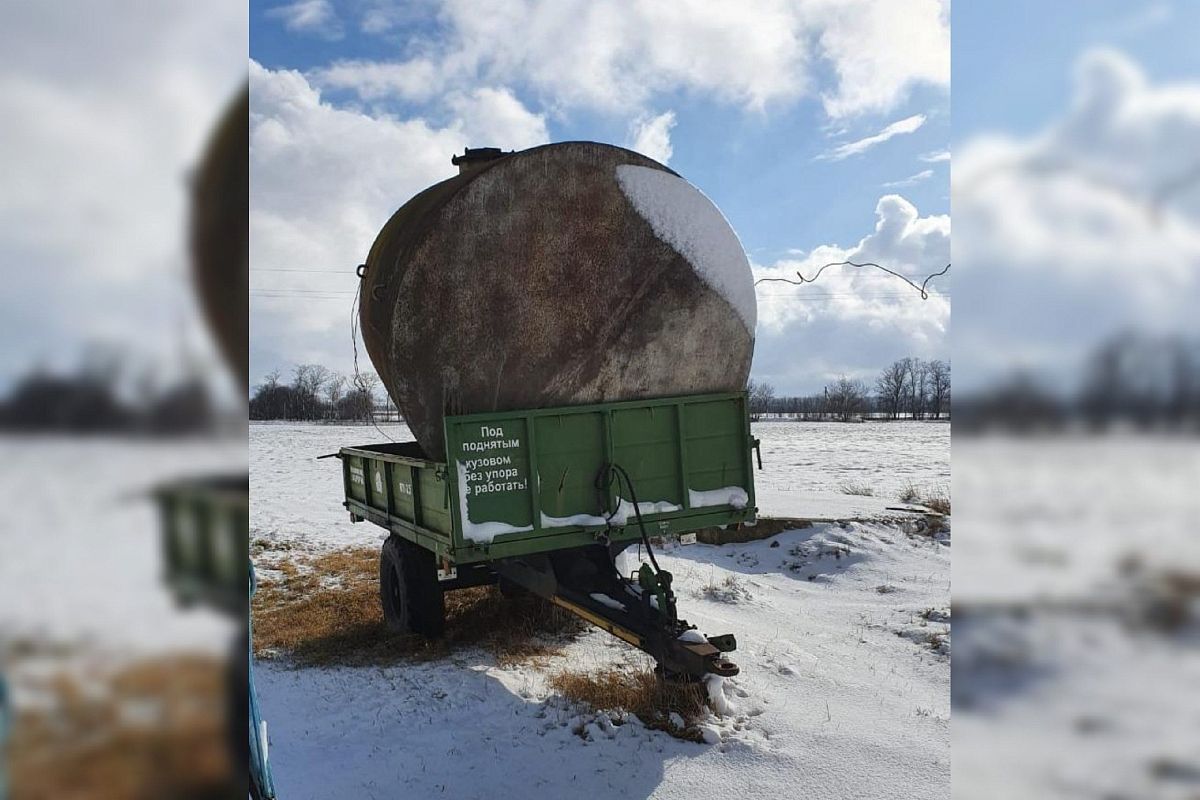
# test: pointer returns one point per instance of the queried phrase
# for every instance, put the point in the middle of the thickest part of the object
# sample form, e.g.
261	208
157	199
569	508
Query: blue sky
737	157
760	94
1012	59
1052	261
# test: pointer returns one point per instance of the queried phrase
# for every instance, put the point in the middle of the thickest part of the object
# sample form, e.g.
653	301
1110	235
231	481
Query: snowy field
79	534
826	457
806	467
1069	680
843	634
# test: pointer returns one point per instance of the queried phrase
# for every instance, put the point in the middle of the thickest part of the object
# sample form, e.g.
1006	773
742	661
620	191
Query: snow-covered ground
843	635
827	457
1064	685
80	562
806	467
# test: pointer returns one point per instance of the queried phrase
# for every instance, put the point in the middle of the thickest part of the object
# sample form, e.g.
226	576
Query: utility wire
290	269
803	280
358	375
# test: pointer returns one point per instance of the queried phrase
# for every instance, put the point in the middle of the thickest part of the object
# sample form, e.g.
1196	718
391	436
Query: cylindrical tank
219	238
565	274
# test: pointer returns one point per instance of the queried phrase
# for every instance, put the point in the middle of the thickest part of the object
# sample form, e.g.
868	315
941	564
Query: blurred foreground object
4	731
115	692
220	236
143	729
262	784
1077	348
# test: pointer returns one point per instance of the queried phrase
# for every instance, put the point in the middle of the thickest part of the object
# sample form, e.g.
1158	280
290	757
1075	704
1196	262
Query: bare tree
922	385
761	396
917	396
890	387
846	398
309	378
366	382
334	387
939	387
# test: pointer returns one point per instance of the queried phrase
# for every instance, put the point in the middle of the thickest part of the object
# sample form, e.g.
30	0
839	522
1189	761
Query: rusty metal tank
219	236
566	274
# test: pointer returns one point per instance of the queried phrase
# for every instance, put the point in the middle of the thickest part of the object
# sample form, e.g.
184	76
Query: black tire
409	593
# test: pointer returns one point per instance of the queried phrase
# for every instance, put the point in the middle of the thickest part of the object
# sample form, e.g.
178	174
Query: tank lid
474	156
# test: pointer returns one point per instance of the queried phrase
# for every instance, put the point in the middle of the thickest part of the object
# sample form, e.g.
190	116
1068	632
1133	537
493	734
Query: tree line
1131	379
315	392
106	393
910	388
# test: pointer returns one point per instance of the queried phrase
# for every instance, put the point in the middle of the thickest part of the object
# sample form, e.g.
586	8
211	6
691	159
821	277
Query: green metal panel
646	443
541	492
377	485
715	447
570	451
356	478
526	480
434	498
403	496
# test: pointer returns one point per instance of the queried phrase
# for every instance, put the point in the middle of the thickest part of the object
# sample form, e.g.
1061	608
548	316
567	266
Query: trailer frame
521	497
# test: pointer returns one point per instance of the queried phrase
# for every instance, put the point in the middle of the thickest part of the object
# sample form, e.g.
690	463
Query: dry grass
937	501
860	489
151	730
729	590
326	612
638	692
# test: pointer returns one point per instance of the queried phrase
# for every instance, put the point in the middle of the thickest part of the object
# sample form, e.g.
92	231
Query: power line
339	298
299	291
803	280
290	269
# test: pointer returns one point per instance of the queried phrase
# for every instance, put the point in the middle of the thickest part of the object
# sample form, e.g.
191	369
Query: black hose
604	481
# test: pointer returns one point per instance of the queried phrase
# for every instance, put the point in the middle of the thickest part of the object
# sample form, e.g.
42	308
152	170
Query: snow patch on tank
681	215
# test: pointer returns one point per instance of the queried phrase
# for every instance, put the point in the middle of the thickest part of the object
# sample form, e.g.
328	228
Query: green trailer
545	499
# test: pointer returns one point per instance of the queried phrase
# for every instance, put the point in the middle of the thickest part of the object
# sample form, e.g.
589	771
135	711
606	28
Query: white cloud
911	180
95	151
371	80
897	128
309	16
879	49
855	321
752	54
324	180
1089	226
494	117
937	156
651	136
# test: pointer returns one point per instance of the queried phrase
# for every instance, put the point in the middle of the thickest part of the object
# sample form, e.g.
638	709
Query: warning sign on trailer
493	469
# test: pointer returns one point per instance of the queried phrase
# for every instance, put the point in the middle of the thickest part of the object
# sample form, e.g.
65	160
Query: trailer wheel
412	600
